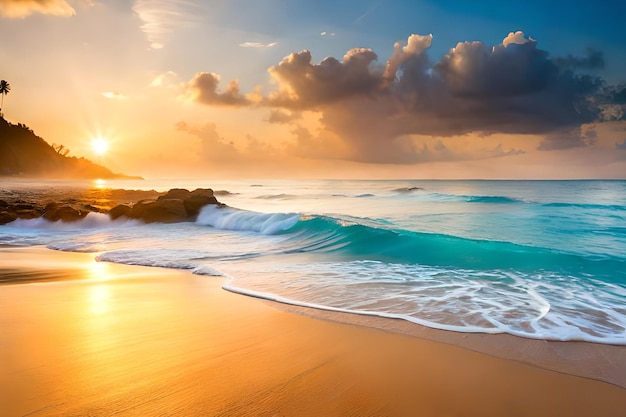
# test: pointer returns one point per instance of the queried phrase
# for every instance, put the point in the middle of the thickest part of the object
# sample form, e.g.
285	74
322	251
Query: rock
203	192
176	205
28	213
162	211
64	213
24	206
194	203
175	194
7	217
93	208
119	211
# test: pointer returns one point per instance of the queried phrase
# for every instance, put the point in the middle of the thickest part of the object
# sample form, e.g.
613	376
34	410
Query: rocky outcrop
177	205
55	212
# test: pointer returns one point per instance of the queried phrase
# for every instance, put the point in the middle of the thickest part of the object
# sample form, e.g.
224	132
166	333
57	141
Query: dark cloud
203	89
279	116
376	110
307	85
616	94
593	59
567	139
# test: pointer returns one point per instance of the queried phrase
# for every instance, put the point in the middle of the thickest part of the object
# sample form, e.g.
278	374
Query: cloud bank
375	111
23	8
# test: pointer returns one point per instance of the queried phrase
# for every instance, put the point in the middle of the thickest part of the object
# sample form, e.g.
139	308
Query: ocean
536	259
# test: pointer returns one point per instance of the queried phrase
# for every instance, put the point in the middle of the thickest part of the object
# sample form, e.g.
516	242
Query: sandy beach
80	337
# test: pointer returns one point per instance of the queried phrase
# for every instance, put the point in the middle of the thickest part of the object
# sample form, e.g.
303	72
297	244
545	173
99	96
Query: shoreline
109	338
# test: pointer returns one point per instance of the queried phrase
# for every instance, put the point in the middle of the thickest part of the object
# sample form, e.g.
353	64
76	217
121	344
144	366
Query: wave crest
233	219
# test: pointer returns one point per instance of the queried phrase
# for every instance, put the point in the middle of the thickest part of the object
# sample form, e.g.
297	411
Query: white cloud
161	18
114	95
166	79
257	44
517	38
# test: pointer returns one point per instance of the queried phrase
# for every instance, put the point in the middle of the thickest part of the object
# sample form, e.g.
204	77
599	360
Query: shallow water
538	259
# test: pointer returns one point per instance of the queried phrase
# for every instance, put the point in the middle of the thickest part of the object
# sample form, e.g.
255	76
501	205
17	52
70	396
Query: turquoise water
538	259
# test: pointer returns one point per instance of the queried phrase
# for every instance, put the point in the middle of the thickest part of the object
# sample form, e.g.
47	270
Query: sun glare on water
100	146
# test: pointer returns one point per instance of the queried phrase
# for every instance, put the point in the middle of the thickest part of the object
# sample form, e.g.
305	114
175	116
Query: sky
323	89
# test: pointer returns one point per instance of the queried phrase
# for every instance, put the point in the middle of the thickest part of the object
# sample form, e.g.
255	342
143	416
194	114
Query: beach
81	337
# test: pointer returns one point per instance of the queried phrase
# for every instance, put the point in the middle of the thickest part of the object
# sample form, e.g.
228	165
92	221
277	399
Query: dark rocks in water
162	211
175	194
55	212
7	216
119	211
223	192
176	205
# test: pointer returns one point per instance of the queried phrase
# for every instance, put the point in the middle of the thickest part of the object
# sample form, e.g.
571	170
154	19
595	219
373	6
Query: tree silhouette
5	87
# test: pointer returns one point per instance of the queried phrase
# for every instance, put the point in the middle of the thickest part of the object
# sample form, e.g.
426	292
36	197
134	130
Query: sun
100	146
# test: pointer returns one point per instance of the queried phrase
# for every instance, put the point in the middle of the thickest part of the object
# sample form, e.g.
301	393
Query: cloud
377	110
114	95
161	18
593	59
257	44
306	85
279	116
517	38
24	8
567	139
213	147
413	50
165	79
203	89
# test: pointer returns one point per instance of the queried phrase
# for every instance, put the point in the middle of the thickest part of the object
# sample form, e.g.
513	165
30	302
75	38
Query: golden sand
101	339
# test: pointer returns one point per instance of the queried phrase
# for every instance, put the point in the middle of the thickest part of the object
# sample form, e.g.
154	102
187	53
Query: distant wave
407	189
496	199
485	199
277	197
611	207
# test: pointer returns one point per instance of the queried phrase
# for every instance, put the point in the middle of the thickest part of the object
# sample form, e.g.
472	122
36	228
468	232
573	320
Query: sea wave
362	238
611	207
227	218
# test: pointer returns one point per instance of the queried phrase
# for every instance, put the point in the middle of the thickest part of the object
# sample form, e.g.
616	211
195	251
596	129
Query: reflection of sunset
99	299
98	271
99	183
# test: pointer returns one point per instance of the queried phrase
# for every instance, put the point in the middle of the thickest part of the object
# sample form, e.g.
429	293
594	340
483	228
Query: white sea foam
233	219
446	299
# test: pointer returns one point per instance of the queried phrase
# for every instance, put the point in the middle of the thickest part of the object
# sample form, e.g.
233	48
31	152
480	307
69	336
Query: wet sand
102	339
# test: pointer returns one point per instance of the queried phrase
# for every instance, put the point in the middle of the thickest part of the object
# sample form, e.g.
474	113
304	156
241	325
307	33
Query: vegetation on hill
22	153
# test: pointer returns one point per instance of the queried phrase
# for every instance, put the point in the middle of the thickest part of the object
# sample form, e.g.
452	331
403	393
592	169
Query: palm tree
5	87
